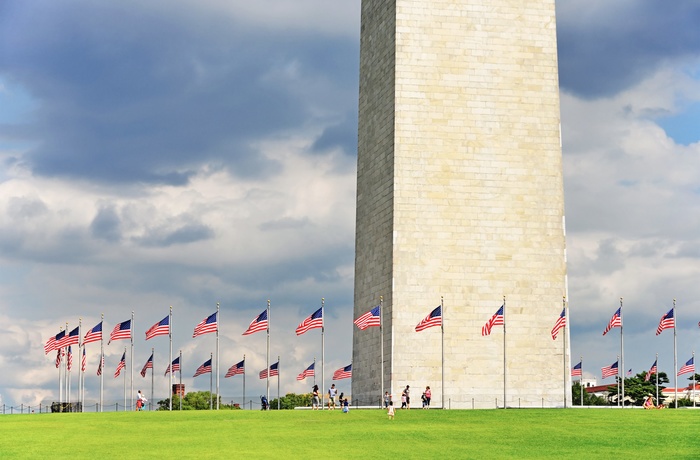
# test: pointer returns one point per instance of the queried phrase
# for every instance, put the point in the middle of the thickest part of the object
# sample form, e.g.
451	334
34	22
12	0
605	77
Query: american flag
610	370
308	372
160	328
667	322
369	319
175	366
101	365
343	373
73	338
120	366
576	370
94	334
52	343
148	365
559	325
314	321
434	318
120	331
496	320
688	368
629	372
83	363
58	358
69	361
274	371
258	324
238	368
208	324
615	321
652	370
204	368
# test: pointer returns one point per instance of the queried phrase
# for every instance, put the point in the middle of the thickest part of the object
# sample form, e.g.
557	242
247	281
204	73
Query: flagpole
278	382
314	371
131	399
267	377
618	378
243	406
504	352
68	375
622	357
323	351
153	378
125	377
381	345
64	367
693	378
80	364
60	375
675	357
218	326
211	375
581	381
102	357
179	397
657	379
170	376
566	317
442	346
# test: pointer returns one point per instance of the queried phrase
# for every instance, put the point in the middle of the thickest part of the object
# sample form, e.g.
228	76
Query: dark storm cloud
128	94
606	47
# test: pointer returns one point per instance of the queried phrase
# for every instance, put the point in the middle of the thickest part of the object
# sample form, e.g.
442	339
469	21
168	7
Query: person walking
390	410
315	402
408	397
332	392
140	400
387	398
428	396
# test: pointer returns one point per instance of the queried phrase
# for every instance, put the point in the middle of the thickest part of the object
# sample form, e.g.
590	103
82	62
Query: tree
194	400
292	400
636	388
588	399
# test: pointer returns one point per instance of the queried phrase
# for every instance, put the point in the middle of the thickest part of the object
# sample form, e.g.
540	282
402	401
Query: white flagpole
102	357
218	326
243	406
68	376
675	357
323	351
565	367
657	379
504	352
693	378
153	378
618	379
381	345
131	399
170	374
442	346
267	377
622	357
211	375
180	387
278	382
125	376
60	377
80	363
581	381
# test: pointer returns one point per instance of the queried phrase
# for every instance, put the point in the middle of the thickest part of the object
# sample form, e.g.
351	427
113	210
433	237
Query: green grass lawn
526	433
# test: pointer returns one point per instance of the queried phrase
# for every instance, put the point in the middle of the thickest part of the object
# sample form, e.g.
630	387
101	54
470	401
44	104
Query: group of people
649	403
406	400
332	394
140	400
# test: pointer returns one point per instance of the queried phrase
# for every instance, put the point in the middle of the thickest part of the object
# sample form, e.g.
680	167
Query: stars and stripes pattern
160	328
652	370
667	322
615	321
576	370
148	365
83	362
101	365
559	325
370	319
69	360
238	368
260	323
343	373
121	331
120	366
205	368
274	371
315	321
58	357
208	324
72	338
688	367
434	318
496	320
94	334
174	367
308	372
52	343
610	370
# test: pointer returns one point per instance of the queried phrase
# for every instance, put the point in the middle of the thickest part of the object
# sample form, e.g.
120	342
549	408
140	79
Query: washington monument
460	197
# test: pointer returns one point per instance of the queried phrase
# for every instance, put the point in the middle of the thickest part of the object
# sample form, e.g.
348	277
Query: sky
181	153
